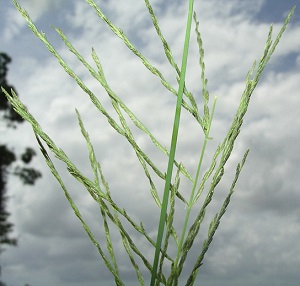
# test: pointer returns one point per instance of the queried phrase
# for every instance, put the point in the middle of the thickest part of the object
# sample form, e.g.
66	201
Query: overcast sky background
258	239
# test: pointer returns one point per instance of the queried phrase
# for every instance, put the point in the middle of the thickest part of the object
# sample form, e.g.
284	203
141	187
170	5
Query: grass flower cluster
164	267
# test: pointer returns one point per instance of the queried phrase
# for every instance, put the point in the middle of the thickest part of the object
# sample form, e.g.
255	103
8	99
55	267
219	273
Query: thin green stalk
168	53
192	196
49	162
119	33
164	207
215	223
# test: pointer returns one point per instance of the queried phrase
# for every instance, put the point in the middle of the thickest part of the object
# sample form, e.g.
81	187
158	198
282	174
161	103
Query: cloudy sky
257	242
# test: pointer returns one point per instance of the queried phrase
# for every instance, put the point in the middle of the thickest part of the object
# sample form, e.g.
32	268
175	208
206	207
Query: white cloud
36	8
14	22
13	25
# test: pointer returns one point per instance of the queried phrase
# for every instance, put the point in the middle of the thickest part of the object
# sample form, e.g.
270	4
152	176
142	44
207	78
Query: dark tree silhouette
11	163
9	115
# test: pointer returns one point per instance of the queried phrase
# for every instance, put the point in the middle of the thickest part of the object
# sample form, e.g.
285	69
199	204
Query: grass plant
204	182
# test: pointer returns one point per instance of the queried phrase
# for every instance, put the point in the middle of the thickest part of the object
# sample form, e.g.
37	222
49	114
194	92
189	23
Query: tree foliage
10	162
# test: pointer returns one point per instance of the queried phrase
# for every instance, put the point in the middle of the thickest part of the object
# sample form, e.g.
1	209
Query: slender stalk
164	206
192	196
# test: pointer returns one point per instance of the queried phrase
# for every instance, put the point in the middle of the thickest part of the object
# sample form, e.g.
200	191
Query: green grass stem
192	195
165	201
